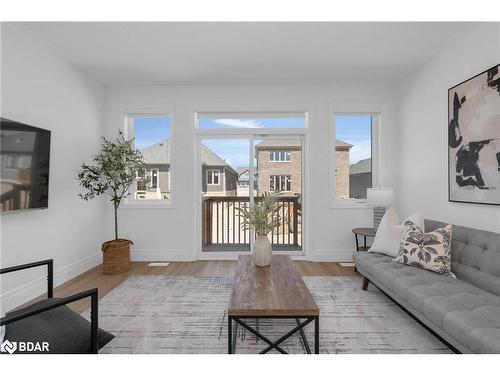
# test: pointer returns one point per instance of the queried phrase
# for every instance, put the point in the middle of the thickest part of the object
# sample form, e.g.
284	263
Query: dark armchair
51	321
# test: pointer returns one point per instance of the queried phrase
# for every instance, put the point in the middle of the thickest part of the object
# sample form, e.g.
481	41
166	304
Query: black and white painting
474	139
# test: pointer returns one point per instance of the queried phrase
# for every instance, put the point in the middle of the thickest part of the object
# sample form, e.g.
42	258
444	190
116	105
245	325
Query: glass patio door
235	174
225	190
242	156
279	165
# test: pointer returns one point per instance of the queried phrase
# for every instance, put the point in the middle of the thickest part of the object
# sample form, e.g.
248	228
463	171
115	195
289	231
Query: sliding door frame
252	134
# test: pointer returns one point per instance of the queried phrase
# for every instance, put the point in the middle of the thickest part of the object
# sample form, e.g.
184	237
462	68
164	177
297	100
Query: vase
262	251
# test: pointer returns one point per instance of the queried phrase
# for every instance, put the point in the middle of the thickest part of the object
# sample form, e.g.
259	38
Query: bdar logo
9	347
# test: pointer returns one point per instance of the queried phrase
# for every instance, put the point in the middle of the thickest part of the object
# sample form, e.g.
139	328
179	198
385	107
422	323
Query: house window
212	177
141	182
280	183
152	135
353	155
279	156
154	178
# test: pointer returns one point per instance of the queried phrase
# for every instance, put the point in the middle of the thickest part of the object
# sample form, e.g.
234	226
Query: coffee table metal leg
304	338
235	335
316	335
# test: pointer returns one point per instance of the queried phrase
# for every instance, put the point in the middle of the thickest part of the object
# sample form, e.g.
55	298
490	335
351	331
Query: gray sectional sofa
465	312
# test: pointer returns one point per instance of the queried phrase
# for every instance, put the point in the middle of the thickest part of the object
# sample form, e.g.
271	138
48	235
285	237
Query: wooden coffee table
274	292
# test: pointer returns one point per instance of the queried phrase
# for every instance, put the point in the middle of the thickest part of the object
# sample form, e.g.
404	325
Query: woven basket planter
116	256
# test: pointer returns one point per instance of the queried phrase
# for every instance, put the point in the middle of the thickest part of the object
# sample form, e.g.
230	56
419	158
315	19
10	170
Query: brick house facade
342	169
279	167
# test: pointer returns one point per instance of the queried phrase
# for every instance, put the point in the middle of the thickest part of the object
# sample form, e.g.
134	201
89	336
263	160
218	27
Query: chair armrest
50	272
92	293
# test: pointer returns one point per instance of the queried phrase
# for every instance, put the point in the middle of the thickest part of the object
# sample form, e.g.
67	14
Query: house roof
241	173
292	143
362	166
242	170
159	153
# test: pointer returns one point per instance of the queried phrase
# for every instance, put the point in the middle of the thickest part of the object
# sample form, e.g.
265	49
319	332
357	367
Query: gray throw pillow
431	251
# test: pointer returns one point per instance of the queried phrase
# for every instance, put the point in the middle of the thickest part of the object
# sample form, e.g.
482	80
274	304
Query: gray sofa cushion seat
468	314
475	255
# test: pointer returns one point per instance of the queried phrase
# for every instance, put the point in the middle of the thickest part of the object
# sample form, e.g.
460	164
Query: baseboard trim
27	291
153	255
331	255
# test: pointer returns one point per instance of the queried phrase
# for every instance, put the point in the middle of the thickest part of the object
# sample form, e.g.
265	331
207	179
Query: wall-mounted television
24	173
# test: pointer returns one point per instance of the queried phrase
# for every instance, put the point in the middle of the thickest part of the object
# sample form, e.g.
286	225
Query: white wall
422	122
163	234
40	89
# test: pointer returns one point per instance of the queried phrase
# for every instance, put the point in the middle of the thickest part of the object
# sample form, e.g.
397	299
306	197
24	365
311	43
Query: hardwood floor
94	278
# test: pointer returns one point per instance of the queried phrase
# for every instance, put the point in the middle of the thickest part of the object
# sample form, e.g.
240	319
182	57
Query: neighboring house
360	178
218	178
342	169
279	166
157	159
243	181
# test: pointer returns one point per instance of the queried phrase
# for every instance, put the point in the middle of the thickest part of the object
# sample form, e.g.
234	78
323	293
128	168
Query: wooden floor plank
94	278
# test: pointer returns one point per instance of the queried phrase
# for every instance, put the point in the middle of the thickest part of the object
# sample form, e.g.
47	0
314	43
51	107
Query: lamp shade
380	197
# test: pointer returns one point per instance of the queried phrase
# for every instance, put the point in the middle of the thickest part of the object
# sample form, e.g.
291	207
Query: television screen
24	177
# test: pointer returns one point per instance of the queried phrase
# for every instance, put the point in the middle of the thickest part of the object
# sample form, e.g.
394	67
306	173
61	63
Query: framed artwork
474	139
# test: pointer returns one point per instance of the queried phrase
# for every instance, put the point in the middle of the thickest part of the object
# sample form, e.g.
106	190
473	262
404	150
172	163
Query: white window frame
128	114
275	153
376	113
213	170
277	178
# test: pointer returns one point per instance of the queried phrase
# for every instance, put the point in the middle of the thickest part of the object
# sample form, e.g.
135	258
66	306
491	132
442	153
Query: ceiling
247	53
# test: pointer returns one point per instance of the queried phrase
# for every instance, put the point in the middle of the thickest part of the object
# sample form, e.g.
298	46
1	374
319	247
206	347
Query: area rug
160	314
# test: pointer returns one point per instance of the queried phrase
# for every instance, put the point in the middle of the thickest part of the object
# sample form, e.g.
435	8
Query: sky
355	130
150	130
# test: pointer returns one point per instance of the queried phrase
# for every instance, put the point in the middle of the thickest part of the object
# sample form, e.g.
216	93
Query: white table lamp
380	198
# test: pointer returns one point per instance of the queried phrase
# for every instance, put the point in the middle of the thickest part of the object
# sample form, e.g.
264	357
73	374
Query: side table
365	232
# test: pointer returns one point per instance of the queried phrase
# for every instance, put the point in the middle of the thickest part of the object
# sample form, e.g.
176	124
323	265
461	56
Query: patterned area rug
160	314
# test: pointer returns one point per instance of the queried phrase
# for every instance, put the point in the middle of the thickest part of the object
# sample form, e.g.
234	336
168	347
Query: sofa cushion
64	330
475	256
467	313
431	250
388	237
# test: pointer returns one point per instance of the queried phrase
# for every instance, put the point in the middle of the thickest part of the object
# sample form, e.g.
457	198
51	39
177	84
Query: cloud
361	150
239	123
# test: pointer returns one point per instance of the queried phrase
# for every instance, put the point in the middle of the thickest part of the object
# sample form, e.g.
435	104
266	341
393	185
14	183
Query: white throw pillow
388	236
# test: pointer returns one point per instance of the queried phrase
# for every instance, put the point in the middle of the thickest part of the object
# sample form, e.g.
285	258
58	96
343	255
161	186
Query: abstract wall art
474	139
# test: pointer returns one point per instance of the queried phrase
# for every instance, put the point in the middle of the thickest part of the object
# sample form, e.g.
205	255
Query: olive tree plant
114	170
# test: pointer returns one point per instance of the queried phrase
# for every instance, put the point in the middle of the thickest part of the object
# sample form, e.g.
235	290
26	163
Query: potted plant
263	217
114	170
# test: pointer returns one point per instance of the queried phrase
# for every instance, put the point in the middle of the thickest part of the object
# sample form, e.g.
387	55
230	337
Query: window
152	137
213	120
212	177
353	155
141	182
280	183
279	156
154	178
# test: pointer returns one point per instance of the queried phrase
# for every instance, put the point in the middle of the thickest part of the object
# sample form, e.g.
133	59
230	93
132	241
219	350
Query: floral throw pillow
431	251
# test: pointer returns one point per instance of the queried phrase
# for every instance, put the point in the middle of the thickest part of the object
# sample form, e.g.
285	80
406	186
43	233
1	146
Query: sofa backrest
475	255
